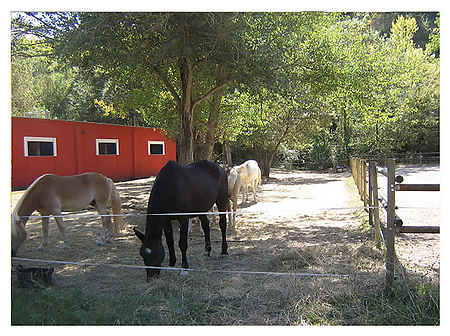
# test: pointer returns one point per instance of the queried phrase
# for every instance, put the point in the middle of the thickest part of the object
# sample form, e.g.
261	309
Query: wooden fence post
373	197
364	184
390	231
352	166
359	177
361	181
371	201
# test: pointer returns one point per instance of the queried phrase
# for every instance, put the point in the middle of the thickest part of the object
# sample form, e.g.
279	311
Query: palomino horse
50	195
190	189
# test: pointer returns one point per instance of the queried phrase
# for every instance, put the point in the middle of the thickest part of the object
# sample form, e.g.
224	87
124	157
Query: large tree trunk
214	113
186	150
213	121
265	160
227	153
187	105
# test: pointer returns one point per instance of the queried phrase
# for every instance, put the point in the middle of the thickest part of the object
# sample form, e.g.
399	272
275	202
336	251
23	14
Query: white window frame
99	141
27	139
156	143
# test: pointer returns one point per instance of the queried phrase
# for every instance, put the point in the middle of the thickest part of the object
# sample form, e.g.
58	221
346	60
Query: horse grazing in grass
190	189
50	195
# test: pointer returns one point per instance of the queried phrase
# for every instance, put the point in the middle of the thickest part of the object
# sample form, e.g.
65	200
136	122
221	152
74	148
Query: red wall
76	150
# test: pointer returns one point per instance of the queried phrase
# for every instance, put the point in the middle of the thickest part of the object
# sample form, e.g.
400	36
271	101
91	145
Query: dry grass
307	242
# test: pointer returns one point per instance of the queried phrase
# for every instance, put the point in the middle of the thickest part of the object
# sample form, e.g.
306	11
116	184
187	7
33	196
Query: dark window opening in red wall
107	148
40	148
156	148
35	146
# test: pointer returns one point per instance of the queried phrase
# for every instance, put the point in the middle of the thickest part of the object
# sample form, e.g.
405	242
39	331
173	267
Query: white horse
234	184
250	176
243	176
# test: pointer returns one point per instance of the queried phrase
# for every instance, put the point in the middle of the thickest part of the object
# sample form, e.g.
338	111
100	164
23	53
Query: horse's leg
44	239
232	213
254	189
183	244
168	232
246	193
223	229
62	229
223	204
205	227
190	225
116	205
233	223
106	235
243	194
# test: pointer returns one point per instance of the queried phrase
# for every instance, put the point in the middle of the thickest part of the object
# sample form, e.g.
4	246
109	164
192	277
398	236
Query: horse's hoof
41	248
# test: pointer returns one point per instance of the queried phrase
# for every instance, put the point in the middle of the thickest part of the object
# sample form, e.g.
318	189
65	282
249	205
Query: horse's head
152	251
18	233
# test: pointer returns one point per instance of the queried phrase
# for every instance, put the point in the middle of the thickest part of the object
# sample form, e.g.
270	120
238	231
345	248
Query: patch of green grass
178	302
416	305
200	301
55	306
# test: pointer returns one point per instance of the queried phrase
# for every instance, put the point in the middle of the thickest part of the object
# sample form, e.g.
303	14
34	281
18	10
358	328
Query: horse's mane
209	165
166	172
18	206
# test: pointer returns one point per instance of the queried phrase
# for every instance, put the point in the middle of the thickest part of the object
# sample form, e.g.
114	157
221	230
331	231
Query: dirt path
295	211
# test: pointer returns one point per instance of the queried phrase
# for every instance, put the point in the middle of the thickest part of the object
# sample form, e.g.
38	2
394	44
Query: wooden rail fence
368	190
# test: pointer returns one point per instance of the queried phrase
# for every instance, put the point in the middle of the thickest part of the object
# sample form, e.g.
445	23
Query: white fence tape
181	270
78	215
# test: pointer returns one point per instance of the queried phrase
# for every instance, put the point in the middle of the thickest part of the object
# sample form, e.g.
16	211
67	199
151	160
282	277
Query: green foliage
433	46
295	76
23	95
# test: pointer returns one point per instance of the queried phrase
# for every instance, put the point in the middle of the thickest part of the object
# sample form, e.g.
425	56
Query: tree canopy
328	85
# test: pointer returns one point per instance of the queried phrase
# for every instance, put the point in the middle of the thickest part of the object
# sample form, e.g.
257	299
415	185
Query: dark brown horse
190	189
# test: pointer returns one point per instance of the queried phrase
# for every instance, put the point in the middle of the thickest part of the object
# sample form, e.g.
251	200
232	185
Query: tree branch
167	83
211	92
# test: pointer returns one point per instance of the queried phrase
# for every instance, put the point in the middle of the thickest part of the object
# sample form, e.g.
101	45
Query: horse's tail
116	205
18	233
259	177
237	185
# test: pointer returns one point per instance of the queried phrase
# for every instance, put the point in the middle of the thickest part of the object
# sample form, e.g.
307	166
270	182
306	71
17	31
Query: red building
41	146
